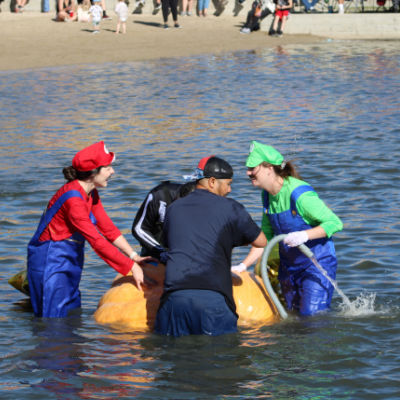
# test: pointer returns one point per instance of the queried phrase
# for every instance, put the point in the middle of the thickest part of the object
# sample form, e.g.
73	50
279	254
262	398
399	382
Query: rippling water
332	107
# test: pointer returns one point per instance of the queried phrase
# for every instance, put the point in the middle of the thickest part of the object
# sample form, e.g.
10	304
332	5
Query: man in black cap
200	231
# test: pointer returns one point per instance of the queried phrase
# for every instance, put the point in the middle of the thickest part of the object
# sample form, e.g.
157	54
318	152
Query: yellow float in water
124	306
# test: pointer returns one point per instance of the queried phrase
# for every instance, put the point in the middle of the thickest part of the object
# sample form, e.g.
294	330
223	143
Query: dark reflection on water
332	107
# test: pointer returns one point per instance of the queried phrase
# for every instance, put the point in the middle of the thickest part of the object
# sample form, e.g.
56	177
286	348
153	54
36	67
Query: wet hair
186	188
284	171
70	173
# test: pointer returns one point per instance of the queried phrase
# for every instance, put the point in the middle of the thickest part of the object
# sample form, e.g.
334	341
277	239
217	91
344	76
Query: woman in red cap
75	213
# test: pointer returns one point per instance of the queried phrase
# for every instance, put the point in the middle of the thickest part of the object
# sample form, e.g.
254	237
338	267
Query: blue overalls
55	267
305	289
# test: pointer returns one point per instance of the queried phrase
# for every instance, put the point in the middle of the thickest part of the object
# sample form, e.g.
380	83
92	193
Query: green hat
260	152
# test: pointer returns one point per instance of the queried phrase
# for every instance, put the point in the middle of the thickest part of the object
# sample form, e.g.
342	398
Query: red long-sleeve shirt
73	216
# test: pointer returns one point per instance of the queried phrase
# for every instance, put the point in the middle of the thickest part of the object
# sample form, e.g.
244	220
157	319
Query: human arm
322	219
315	212
254	254
147	228
283	6
258	243
102	238
126	248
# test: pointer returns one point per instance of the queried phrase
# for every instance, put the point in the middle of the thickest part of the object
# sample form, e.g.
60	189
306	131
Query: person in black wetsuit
147	226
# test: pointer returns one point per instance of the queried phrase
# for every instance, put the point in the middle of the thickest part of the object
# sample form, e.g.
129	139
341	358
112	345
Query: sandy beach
34	40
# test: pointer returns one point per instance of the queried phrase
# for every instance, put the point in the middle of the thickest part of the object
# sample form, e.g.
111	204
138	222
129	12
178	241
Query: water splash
345	299
363	305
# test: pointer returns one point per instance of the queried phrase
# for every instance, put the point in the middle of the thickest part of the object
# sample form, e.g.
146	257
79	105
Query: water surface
331	107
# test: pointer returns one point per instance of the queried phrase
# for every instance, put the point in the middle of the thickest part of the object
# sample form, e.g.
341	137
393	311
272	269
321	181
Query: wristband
133	255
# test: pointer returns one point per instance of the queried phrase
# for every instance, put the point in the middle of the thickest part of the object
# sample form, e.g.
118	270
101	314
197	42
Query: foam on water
363	305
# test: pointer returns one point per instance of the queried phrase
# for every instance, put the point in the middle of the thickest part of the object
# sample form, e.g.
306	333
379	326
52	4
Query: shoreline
36	41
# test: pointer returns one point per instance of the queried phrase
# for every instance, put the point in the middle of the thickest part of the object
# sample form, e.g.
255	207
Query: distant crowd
95	11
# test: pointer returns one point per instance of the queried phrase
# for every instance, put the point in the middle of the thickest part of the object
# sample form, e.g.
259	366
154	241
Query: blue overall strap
266	201
51	212
296	194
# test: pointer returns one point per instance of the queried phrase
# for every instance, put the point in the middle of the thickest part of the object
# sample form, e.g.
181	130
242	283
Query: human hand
138	275
146	260
294	239
238	268
142	260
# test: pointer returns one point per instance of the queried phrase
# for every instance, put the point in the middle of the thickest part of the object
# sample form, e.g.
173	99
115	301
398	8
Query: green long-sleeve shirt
313	210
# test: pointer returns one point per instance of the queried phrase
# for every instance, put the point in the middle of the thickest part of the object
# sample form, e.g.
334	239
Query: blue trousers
307	292
308	4
195	312
203	4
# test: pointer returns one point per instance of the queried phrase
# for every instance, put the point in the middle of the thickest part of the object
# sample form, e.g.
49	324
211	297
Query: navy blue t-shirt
201	231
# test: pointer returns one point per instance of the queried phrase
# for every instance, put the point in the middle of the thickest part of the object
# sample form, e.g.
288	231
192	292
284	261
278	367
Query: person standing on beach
75	213
202	6
341	6
103	7
121	9
166	6
292	207
187	6
96	14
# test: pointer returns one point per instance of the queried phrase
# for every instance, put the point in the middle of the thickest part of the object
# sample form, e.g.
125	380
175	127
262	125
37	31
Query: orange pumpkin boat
124	306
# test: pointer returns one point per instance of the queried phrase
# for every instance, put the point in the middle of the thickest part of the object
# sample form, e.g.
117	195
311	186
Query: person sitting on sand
309	5
66	11
83	11
19	6
259	10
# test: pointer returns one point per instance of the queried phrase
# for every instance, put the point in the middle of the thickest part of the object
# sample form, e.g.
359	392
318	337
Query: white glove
294	239
238	268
